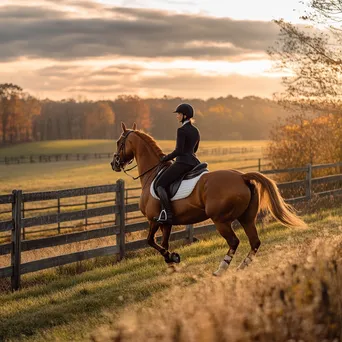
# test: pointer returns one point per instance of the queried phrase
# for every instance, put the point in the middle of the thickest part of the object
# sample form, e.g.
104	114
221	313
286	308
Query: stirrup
163	218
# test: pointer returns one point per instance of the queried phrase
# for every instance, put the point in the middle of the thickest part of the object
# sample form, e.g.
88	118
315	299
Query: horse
222	196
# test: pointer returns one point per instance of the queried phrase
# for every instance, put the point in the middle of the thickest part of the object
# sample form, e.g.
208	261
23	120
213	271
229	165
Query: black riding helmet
186	109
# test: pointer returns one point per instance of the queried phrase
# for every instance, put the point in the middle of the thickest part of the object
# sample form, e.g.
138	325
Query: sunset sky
98	49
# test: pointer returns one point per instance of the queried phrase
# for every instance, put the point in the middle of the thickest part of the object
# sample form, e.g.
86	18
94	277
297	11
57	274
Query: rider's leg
174	172
165	215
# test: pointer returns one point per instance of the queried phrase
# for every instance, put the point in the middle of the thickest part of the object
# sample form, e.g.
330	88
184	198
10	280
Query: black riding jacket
188	138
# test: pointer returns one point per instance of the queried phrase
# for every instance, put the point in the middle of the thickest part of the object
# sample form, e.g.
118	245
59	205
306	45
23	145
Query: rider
188	138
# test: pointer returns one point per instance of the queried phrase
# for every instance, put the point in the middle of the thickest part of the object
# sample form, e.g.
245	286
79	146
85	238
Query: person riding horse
188	138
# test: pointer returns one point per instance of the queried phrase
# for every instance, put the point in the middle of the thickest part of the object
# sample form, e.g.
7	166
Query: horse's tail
271	199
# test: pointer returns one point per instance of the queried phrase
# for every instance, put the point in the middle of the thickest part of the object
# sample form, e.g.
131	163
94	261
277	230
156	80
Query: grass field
71	302
108	146
69	174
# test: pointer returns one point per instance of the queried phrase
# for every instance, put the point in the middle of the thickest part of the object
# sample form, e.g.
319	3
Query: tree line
24	118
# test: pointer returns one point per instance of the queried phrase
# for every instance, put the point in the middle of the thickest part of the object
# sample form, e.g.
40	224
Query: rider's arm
196	147
197	144
179	145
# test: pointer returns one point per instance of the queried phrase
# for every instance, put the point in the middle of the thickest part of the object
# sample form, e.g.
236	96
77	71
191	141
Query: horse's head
124	153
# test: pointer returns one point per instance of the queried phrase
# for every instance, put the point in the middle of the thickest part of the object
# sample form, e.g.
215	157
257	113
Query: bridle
120	163
117	160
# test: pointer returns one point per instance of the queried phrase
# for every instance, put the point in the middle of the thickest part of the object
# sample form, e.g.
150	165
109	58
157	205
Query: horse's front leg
166	230
173	257
163	249
152	242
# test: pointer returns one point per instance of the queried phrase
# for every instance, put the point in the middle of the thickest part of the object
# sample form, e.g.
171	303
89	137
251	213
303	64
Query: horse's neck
146	159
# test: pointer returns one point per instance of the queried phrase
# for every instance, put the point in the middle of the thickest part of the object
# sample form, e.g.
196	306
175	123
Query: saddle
173	187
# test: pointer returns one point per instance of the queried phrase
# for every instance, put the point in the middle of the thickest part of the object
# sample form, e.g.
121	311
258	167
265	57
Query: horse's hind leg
227	232
248	222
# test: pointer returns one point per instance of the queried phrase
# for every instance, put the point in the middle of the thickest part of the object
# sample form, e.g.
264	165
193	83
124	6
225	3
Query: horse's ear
123	126
134	126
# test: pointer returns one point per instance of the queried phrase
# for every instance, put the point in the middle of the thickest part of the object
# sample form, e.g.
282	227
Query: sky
99	49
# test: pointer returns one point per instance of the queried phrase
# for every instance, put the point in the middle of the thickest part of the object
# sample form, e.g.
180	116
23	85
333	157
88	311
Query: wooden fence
119	226
48	158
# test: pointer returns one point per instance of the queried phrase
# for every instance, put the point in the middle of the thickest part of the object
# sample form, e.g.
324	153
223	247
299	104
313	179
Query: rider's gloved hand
163	159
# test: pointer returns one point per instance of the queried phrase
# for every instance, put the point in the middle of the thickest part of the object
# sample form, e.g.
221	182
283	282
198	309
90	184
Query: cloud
68	80
11	14
188	85
129	32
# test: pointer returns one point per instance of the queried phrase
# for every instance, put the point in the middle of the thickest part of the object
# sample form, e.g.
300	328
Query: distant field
61	175
109	146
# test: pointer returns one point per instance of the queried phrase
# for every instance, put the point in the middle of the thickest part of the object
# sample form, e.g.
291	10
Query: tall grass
297	297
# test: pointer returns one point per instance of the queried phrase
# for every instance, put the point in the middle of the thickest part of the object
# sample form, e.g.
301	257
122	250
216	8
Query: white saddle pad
185	189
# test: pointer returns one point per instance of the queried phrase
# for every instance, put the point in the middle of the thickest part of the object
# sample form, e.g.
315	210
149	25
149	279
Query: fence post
308	181
23	216
16	239
189	233
259	164
120	217
86	208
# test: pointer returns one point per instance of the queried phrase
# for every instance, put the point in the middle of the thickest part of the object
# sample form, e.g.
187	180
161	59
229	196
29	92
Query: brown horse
223	196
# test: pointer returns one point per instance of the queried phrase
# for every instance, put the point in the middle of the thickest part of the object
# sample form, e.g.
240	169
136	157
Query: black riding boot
165	216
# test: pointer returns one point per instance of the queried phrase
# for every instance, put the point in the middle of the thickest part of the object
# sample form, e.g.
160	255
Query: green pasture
65	175
107	146
72	174
70	302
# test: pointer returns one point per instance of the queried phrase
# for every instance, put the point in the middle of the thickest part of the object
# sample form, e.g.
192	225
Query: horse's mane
151	142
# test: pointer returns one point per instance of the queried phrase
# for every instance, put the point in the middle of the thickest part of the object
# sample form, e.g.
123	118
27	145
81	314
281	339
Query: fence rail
119	226
48	158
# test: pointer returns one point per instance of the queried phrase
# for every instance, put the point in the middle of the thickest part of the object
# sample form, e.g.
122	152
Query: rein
144	173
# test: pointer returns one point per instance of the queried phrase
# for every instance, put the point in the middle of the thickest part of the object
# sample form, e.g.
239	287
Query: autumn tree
131	109
9	100
99	121
311	56
302	140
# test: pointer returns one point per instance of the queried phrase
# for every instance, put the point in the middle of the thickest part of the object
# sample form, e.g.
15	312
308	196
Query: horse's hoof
171	268
241	266
222	269
175	257
245	263
218	273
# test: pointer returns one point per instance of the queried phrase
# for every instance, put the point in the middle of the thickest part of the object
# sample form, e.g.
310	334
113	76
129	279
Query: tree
131	109
311	55
9	99
99	121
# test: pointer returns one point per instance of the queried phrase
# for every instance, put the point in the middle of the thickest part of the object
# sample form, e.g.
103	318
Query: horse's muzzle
116	163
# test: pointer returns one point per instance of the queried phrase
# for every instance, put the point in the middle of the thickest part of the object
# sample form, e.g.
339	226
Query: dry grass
297	297
69	302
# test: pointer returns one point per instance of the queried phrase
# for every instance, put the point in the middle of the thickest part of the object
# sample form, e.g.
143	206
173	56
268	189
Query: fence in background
48	158
118	226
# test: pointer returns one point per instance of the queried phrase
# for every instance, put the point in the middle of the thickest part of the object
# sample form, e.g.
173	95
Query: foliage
17	110
302	140
224	118
311	56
